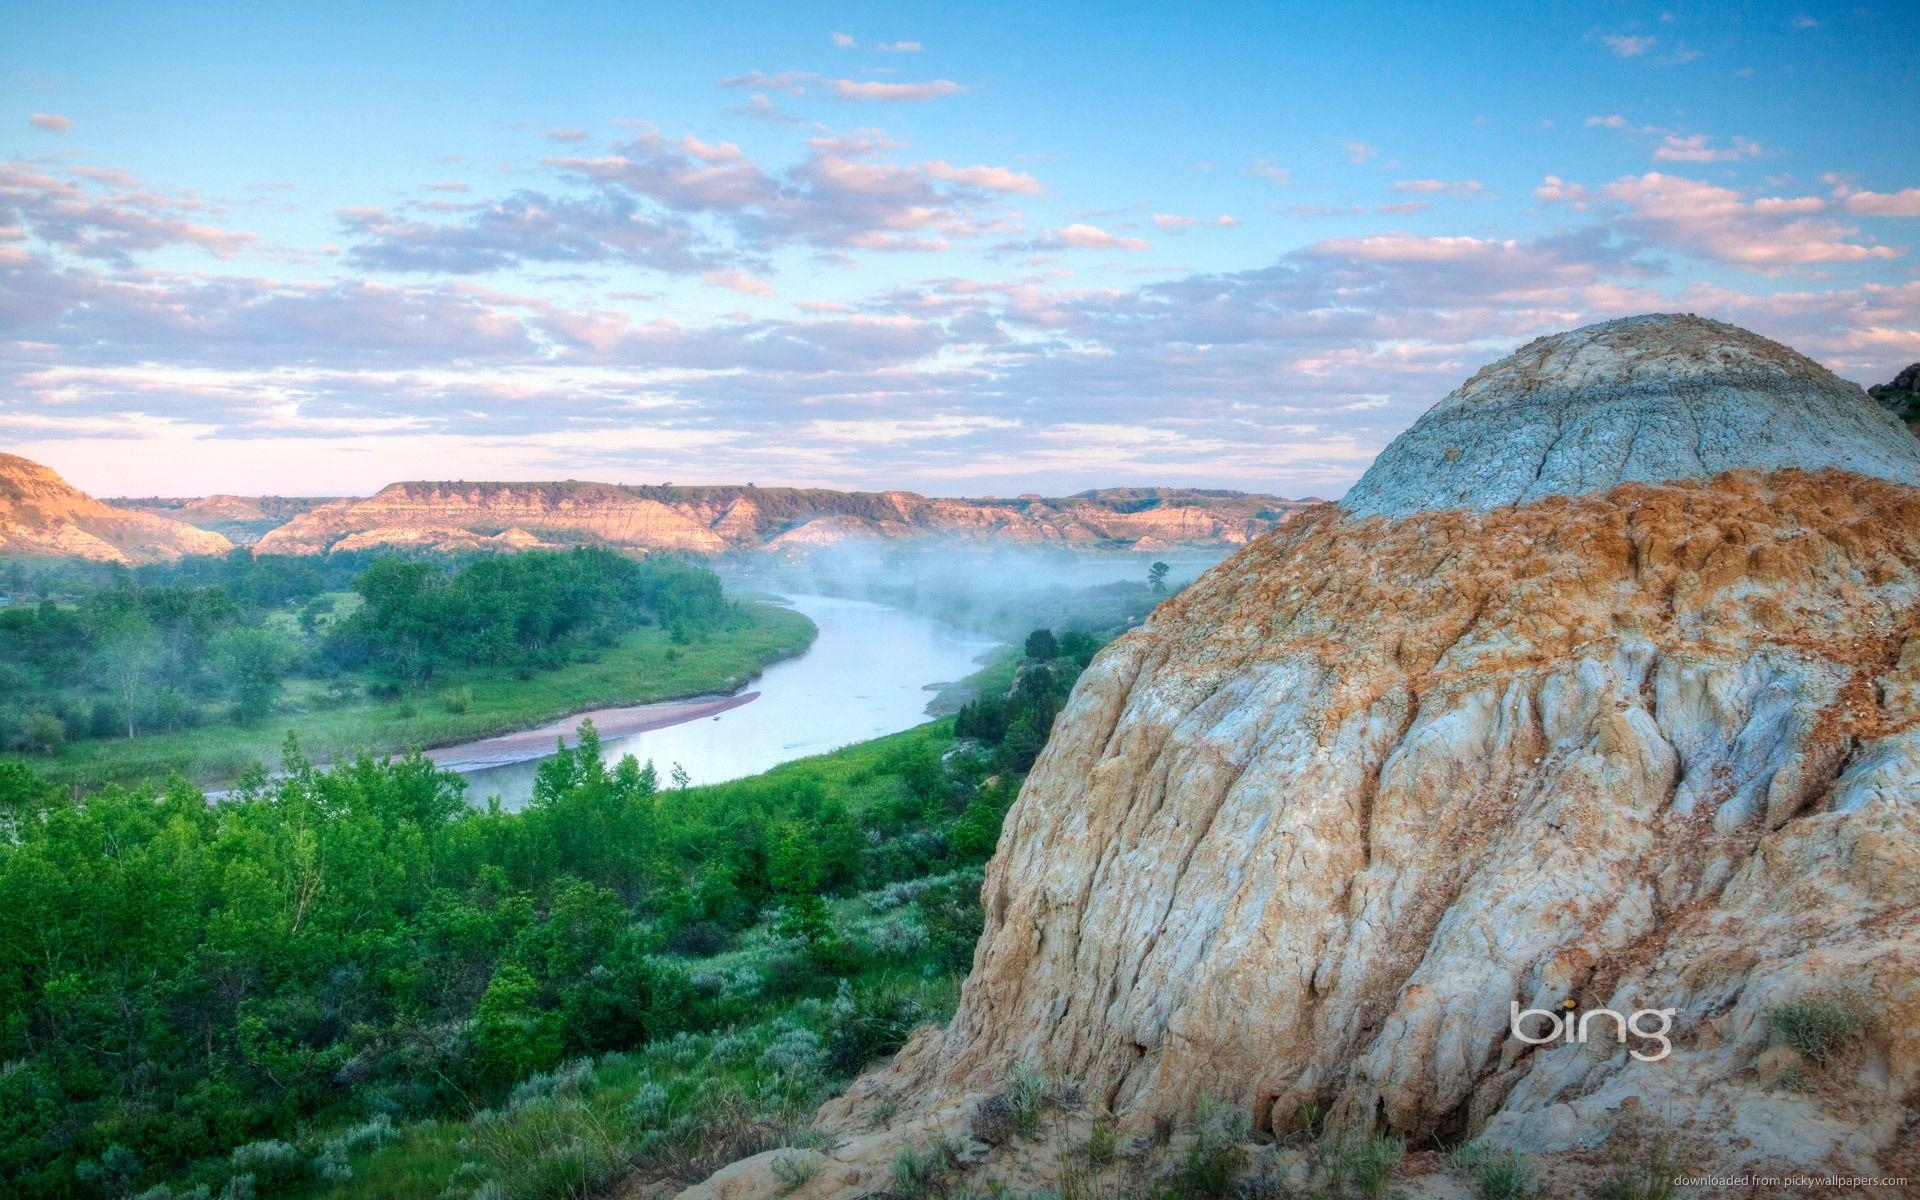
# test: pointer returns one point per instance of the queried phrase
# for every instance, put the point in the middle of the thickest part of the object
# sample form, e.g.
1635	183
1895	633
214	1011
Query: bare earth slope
714	520
1304	837
42	515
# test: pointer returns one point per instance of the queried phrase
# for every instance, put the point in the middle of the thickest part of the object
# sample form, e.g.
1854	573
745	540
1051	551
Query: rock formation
1604	687
242	520
722	519
1901	396
43	515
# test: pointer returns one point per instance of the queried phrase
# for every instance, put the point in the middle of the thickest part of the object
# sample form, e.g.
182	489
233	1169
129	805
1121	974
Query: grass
1495	1174
643	667
1816	1028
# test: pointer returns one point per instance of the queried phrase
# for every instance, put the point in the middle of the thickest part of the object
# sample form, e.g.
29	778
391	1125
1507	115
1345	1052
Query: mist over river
871	671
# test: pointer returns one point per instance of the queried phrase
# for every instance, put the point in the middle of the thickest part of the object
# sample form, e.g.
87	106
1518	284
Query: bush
992	1120
1818	1029
272	1164
867	1024
457	699
1213	1156
1367	1163
1495	1174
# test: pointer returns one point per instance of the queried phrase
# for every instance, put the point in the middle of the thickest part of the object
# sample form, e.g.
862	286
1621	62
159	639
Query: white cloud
50	122
1626	45
1699	148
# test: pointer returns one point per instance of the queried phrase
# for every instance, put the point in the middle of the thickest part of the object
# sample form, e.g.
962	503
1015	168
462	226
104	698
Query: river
872	670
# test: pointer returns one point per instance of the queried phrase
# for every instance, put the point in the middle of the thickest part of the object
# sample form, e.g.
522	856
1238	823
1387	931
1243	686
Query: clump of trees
1015	726
165	648
523	612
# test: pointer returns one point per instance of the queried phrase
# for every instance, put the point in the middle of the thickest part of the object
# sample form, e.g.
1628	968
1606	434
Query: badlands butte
1602	687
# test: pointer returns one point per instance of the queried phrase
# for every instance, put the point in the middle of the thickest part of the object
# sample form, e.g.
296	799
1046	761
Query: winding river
872	670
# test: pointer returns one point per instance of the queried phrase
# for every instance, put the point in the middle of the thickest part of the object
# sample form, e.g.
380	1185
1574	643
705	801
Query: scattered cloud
847	193
52	123
1080	236
759	107
564	135
109	215
899	47
1903	203
1625	45
802	83
1803	21
1442	187
844	40
739	281
1360	153
1263	167
527	227
1614	121
1173	223
1766	234
1699	148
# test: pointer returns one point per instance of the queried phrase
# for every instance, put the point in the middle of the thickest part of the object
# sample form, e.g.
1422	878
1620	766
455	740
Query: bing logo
1562	1026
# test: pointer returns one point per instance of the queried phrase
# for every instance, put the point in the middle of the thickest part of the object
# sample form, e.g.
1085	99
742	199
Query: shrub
793	1171
1495	1174
457	699
1213	1156
1102	1145
272	1164
917	1172
551	1148
992	1120
1816	1028
1644	1172
867	1024
1367	1162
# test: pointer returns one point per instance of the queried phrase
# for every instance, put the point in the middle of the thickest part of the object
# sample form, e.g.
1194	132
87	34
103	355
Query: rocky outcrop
1300	841
1638	400
44	516
1901	396
718	520
242	520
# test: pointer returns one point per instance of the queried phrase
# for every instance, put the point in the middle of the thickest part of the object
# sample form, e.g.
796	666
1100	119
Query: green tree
253	661
1157	576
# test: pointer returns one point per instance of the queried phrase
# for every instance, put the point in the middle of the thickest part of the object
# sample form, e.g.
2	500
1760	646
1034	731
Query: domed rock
1638	400
1612	732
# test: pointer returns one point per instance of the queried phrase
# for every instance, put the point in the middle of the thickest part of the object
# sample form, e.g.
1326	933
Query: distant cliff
722	519
42	514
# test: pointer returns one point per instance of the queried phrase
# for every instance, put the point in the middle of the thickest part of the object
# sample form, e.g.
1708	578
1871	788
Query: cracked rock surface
1638	400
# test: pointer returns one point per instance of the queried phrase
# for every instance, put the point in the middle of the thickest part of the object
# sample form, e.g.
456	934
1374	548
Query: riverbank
643	668
871	671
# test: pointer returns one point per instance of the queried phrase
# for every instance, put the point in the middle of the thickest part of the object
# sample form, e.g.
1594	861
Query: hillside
42	515
724	519
242	520
1626	718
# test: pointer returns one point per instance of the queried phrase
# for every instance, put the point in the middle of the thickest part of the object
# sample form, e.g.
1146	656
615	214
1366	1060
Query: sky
958	249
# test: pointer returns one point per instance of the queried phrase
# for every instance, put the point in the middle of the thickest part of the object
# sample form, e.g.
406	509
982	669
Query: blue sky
958	249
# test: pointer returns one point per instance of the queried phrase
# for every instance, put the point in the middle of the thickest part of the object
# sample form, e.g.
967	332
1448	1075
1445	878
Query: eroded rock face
42	514
719	519
1638	400
1304	837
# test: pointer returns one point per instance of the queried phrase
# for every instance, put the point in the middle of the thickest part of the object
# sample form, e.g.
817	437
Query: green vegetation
202	669
1495	1174
351	982
1818	1029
